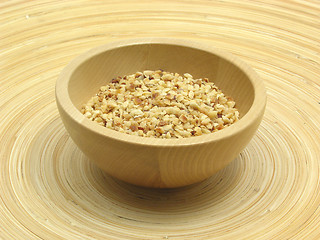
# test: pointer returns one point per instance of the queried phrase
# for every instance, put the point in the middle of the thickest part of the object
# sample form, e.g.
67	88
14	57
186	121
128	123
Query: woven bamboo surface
49	189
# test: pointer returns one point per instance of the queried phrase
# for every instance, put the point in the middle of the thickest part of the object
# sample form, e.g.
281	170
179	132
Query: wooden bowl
150	162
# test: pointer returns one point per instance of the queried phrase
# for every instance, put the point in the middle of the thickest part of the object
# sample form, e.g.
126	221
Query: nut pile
161	104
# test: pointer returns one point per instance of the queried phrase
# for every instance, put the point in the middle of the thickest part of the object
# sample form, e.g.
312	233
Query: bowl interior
101	68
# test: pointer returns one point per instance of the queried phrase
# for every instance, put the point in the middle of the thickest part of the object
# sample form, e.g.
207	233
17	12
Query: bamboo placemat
48	188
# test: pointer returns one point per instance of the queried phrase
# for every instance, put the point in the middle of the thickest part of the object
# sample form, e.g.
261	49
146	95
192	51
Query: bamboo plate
49	190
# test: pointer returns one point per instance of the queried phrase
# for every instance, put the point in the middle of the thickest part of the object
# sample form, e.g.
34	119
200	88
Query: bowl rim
254	113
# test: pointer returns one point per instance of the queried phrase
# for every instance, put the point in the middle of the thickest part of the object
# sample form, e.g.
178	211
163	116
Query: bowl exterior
157	166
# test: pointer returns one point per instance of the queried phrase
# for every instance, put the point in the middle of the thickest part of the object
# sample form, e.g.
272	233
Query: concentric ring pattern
49	190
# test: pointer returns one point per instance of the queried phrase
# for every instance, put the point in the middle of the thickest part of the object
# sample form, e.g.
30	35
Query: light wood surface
49	189
151	162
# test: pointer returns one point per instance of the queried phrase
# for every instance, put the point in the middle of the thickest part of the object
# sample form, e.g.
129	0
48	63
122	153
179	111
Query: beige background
49	190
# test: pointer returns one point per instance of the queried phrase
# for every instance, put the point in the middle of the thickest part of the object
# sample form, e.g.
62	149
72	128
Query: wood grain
49	190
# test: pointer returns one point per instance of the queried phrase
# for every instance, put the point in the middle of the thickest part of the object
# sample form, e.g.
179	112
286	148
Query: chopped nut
109	124
134	126
111	104
98	119
137	74
187	75
136	112
194	105
147	73
150	133
159	130
220	126
88	114
126	116
168	135
130	87
161	104
167	77
183	118
169	96
137	100
205	130
198	131
162	123
191	94
212	114
167	128
205	121
155	95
